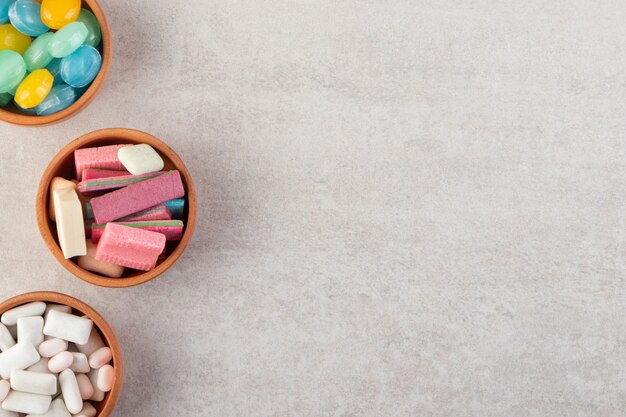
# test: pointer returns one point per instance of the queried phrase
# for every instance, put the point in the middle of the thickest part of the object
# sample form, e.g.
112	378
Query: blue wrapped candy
81	67
55	69
60	98
25	16
4	10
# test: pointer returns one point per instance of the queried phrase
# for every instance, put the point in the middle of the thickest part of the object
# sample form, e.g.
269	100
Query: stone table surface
407	207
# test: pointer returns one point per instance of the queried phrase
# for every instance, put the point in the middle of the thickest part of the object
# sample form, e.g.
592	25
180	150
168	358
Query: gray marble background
408	207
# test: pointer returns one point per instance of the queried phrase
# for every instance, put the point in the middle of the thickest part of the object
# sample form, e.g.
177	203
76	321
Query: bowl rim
88	96
109	336
41	209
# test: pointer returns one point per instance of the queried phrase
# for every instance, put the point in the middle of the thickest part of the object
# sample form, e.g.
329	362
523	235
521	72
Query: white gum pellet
25	402
60	362
20	356
5	387
80	364
51	347
40	366
140	159
57	183
87	411
30	330
71	393
94	343
57	409
70	225
100	357
105	378
84	386
57	307
6	338
34	382
68	327
98	394
35	308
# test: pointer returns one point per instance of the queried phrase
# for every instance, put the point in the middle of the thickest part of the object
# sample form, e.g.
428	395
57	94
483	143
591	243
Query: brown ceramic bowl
11	114
106	406
62	165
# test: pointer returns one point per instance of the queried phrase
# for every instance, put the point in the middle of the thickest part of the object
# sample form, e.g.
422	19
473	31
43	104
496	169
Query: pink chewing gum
158	212
172	229
101	185
130	247
97	173
137	197
104	157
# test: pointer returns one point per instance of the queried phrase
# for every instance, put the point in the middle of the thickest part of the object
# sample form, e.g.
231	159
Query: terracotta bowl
11	114
106	406
62	165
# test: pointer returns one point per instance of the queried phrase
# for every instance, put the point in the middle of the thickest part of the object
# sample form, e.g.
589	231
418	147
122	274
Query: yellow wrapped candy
34	89
58	13
11	38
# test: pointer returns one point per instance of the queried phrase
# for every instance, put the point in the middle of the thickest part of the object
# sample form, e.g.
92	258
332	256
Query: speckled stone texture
408	207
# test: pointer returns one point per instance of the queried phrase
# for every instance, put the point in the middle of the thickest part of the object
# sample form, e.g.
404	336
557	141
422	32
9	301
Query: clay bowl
11	114
106	406
62	165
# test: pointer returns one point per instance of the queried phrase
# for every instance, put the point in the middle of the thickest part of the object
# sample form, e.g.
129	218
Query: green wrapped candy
5	98
68	39
94	34
12	70
37	55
